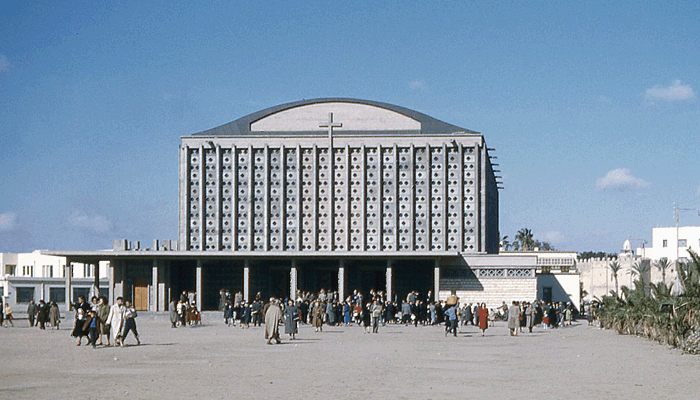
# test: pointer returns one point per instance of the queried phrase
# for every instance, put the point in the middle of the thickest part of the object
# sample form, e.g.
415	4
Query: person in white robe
116	320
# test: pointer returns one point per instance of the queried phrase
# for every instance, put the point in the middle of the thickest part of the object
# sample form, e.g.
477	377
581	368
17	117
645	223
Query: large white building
36	276
337	194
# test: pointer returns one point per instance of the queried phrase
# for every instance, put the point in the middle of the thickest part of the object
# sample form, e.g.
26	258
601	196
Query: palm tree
505	243
525	238
662	265
640	268
615	268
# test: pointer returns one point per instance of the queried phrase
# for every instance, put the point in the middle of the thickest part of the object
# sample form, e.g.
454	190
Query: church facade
335	194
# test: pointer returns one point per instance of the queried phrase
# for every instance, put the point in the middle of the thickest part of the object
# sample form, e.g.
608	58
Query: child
91	325
8	315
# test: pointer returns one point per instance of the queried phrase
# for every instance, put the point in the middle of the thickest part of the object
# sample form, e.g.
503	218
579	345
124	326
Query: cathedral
334	193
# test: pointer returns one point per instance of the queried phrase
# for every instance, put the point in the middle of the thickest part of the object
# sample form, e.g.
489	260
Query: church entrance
410	275
365	276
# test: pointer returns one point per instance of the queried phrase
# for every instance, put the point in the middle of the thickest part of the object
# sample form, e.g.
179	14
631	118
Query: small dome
627	247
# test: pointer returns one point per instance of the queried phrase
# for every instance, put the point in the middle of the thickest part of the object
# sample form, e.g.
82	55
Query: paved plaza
219	362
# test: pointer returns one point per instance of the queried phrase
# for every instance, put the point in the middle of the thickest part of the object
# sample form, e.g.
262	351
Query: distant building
36	276
597	277
557	276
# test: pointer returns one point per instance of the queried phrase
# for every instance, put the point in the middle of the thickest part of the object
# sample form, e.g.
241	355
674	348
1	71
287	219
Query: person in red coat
483	318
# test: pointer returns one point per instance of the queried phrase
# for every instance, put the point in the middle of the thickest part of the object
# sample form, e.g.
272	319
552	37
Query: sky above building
592	107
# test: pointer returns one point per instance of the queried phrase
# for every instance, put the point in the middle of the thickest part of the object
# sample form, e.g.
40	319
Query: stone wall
494	291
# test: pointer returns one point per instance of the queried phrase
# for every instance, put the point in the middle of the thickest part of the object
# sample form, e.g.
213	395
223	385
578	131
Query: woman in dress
54	315
483	318
291	316
317	316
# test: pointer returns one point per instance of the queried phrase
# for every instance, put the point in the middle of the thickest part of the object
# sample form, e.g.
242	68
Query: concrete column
246	280
293	284
198	279
341	280
154	286
389	280
163	300
67	273
436	290
97	279
110	274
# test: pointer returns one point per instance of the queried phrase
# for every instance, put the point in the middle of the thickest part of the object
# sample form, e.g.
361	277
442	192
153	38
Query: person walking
54	316
514	318
172	308
81	311
317	316
376	315
451	325
115	320
291	317
272	316
42	314
483	318
8	315
103	314
130	323
530	316
31	313
92	325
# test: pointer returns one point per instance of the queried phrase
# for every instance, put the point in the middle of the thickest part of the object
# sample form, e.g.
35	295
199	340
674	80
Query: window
10	269
87	270
25	294
28	270
682	243
57	294
664	243
81	291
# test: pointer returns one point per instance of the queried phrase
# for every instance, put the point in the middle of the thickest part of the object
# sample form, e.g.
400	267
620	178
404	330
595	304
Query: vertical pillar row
293	277
153	307
246	280
110	274
198	278
341	280
67	272
389	280
436	296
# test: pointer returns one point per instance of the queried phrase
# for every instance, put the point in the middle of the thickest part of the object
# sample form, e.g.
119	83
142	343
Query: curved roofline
241	126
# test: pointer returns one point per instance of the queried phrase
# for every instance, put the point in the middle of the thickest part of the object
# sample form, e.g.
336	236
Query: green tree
640	269
525	239
615	268
505	243
662	265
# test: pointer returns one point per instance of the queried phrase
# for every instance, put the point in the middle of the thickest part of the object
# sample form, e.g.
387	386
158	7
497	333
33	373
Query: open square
219	362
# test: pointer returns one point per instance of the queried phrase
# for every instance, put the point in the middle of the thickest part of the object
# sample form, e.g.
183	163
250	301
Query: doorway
141	294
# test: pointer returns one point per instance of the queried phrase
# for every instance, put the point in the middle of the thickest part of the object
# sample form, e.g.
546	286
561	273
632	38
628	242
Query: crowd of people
97	321
371	312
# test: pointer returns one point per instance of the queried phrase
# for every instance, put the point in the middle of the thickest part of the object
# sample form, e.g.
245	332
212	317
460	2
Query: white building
672	242
557	276
35	276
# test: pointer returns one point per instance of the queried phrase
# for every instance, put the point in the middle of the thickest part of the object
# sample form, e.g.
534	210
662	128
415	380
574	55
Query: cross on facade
330	125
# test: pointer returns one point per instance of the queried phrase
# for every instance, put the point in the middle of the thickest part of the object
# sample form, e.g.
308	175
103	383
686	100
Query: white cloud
553	237
417	85
620	178
676	92
8	221
4	63
94	223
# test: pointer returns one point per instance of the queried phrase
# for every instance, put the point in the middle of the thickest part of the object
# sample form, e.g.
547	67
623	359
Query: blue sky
592	106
